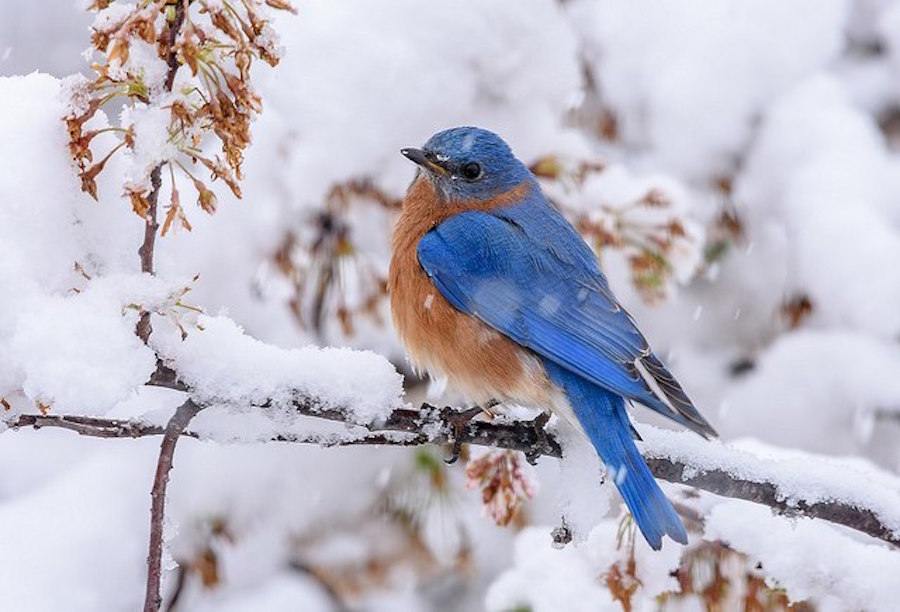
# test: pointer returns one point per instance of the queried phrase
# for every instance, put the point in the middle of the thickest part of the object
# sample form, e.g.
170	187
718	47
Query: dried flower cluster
503	482
329	273
796	310
621	577
647	230
167	119
724	579
332	276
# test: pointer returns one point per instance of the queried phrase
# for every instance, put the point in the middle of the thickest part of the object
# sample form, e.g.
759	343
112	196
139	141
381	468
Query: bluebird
492	289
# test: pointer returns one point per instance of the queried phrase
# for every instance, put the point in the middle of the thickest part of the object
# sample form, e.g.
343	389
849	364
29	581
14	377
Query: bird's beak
418	157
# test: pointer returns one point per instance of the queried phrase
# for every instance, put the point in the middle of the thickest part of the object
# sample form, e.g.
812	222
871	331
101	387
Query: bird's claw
458	421
541	444
488	407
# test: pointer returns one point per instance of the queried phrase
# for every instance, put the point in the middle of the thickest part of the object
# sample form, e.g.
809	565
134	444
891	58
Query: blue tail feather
604	419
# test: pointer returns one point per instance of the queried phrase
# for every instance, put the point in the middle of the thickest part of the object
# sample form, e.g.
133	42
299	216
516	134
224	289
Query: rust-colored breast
478	361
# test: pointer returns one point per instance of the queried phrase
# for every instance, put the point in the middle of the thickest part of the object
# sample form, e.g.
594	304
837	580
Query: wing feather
524	271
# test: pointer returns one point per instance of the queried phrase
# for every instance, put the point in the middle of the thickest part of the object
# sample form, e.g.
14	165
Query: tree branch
174	429
431	425
722	483
151	224
183	415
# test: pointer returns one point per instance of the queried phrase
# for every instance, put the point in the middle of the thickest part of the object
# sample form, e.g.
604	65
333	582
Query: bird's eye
471	171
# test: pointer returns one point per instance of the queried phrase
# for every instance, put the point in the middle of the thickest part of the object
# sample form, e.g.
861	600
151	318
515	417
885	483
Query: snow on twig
813	487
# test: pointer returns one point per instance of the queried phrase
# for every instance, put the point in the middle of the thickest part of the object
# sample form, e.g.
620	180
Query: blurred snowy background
770	129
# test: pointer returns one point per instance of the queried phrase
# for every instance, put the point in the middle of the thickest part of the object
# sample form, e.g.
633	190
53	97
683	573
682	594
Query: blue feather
526	272
604	419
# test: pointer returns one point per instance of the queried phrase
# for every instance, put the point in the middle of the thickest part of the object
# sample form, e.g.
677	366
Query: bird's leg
491	403
541	444
458	421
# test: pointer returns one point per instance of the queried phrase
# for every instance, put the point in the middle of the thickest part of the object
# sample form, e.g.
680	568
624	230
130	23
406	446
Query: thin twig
151	224
180	583
405	427
183	415
174	429
88	426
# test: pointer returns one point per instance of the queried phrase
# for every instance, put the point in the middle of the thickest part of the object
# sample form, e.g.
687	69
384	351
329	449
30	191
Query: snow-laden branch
814	487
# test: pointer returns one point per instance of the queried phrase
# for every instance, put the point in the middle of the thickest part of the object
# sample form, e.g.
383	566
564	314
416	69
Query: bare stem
183	415
151	225
174	429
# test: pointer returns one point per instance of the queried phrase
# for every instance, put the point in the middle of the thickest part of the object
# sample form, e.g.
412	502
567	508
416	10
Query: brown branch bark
722	483
406	427
174	430
183	415
151	224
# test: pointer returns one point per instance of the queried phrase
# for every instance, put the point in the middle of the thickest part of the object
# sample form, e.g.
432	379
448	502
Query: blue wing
526	272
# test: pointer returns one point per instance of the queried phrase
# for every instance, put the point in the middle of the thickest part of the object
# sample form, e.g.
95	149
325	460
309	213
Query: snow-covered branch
813	487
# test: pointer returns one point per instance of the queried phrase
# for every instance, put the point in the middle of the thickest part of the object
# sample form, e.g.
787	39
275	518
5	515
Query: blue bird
493	289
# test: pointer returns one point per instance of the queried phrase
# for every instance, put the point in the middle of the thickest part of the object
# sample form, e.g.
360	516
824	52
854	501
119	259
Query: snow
687	81
71	516
797	476
517	67
152	143
223	365
546	579
835	170
822	381
819	563
284	593
63	342
779	113
79	353
581	499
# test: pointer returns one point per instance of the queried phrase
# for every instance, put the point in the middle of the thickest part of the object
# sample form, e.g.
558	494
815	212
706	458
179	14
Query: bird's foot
458	421
488	408
542	443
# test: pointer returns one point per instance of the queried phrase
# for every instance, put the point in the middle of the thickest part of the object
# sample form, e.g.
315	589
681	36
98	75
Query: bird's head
469	163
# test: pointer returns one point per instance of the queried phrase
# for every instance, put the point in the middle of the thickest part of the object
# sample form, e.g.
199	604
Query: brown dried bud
282	5
88	182
242	60
587	168
129	137
207	565
549	167
655	198
675	229
181	112
145	30
119	51
139	203
205	197
224	23
173	211
731	223
503	483
188	50
797	310
100	40
88	185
